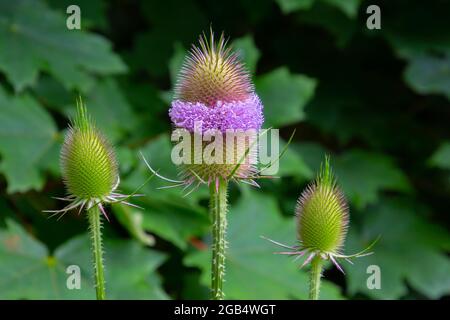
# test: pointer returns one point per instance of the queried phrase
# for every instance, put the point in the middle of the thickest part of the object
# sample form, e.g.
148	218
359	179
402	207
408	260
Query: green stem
97	250
218	206
316	273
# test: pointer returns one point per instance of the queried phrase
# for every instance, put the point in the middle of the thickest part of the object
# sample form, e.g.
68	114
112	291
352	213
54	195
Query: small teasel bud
322	222
88	161
322	214
212	73
91	176
89	167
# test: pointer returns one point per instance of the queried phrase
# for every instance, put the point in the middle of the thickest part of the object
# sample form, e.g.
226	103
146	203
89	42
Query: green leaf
332	19
349	7
167	213
441	157
175	223
252	270
409	252
52	93
132	220
29	272
92	12
109	106
27	134
293	164
110	109
34	38
284	96
140	281
148	104
427	50
247	51
158	154
288	6
311	153
429	74
362	175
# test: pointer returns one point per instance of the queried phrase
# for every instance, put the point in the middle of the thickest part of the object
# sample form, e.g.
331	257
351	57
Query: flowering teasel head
322	221
89	166
214	94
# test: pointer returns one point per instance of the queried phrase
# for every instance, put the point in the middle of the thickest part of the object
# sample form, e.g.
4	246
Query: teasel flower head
322	221
214	93
89	166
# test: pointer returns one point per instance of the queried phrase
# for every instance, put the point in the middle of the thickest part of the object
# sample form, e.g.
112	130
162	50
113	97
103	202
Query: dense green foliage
376	100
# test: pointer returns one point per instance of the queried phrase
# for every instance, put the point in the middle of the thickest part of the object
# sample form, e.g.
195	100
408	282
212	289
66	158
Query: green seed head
88	162
322	214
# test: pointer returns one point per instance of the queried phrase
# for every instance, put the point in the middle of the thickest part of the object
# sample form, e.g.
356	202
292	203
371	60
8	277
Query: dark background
377	101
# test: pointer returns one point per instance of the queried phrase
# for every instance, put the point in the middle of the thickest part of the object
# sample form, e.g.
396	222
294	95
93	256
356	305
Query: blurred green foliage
376	100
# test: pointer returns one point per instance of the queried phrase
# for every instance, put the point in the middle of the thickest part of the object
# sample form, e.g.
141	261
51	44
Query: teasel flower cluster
214	90
322	216
91	176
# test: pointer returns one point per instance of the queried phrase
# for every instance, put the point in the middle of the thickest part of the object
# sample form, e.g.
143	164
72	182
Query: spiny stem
218	206
316	273
97	250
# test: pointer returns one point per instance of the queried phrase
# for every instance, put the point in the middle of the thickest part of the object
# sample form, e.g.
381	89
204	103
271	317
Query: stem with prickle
97	250
218	207
316	273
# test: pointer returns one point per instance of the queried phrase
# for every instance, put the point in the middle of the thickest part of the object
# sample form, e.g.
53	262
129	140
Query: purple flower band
244	115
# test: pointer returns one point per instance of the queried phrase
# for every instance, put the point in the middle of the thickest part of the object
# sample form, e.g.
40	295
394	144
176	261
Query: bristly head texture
214	93
322	214
88	162
212	72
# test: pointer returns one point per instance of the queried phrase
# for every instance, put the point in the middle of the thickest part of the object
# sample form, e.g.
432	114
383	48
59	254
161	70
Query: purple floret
244	115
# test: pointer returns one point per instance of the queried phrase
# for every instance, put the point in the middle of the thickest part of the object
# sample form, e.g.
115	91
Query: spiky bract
88	162
212	73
